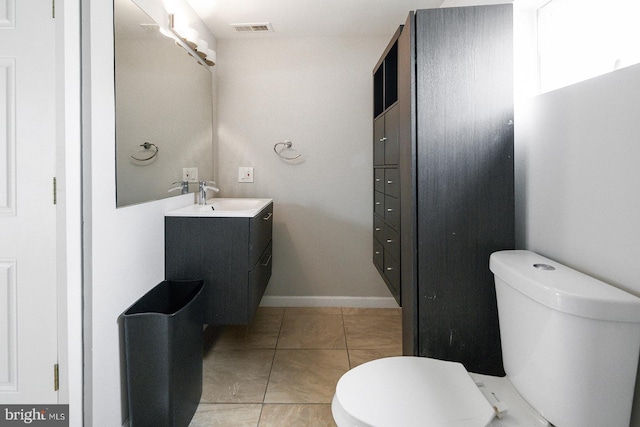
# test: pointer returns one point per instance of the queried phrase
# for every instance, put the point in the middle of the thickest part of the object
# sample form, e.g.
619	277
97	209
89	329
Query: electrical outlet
190	174
245	174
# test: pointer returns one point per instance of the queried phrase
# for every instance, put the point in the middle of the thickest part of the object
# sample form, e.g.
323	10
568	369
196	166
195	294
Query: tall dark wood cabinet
455	130
386	172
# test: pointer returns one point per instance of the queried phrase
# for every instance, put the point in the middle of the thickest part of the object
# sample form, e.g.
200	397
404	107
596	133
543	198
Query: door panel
28	315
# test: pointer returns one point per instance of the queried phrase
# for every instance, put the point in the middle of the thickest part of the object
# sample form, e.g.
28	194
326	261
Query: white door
28	322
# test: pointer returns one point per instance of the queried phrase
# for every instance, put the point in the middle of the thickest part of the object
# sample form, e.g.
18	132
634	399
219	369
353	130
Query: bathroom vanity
228	244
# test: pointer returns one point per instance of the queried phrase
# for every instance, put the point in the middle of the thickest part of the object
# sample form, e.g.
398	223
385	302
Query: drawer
378	257
379	231
391	243
378	180
258	279
260	233
392	182
378	203
392	211
392	272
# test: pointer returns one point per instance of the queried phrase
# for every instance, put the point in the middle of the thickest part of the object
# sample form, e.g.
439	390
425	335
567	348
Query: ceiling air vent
258	27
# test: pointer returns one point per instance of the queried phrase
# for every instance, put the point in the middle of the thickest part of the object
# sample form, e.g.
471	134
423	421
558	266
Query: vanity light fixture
197	48
211	56
202	46
191	36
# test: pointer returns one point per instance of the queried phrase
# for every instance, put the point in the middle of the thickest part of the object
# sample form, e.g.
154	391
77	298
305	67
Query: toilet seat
409	391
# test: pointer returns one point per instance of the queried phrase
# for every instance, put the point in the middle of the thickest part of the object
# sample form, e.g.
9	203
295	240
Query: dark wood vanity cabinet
231	254
456	193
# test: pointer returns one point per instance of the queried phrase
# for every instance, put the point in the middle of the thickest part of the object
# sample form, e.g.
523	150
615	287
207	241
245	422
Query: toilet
570	347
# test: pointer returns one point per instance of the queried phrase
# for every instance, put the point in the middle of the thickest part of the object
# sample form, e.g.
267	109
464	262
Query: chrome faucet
202	191
184	187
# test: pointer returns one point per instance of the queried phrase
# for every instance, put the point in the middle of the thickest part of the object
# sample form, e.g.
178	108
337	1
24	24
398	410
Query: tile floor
282	369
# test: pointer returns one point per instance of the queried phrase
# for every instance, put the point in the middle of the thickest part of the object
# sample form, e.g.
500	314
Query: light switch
190	174
245	174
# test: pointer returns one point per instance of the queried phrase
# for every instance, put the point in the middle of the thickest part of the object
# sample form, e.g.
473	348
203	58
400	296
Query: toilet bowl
570	347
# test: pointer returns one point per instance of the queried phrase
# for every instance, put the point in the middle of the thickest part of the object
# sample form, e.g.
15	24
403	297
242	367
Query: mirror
164	110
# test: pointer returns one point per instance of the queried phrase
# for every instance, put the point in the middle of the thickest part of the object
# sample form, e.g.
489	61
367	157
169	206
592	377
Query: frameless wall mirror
164	110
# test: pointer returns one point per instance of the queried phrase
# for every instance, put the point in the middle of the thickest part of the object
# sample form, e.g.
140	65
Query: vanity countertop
223	207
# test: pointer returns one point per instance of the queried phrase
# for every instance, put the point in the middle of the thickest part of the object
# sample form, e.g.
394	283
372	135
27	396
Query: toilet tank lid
562	288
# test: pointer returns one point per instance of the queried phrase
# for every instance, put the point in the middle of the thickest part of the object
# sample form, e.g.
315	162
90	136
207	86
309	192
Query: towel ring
286	144
147	146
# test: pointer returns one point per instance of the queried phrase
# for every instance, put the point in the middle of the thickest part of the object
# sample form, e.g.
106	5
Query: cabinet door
465	178
378	141
391	129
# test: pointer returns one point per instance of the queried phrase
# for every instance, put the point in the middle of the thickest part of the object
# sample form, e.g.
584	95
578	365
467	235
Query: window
581	39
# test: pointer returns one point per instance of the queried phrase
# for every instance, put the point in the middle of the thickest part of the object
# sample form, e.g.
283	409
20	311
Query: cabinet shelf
385	77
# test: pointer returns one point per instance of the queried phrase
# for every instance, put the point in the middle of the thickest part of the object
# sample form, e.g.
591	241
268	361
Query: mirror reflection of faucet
202	191
184	187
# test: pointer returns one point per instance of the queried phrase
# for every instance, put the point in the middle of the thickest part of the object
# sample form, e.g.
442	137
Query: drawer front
258	280
392	243
392	272
260	233
379	231
378	180
378	203
392	182
378	257
392	211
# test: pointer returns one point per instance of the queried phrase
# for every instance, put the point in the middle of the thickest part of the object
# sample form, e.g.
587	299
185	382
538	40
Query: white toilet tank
570	343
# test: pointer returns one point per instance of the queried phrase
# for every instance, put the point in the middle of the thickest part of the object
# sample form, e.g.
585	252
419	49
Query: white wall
123	248
316	92
578	178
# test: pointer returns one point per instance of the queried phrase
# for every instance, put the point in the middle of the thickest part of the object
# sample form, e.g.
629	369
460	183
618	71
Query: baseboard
358	302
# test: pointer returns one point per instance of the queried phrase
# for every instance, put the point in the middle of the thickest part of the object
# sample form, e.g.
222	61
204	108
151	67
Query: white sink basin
227	207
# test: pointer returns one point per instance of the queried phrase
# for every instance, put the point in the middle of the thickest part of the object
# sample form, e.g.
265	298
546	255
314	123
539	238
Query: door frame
69	207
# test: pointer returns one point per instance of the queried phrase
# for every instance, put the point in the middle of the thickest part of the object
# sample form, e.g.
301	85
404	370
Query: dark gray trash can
163	354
